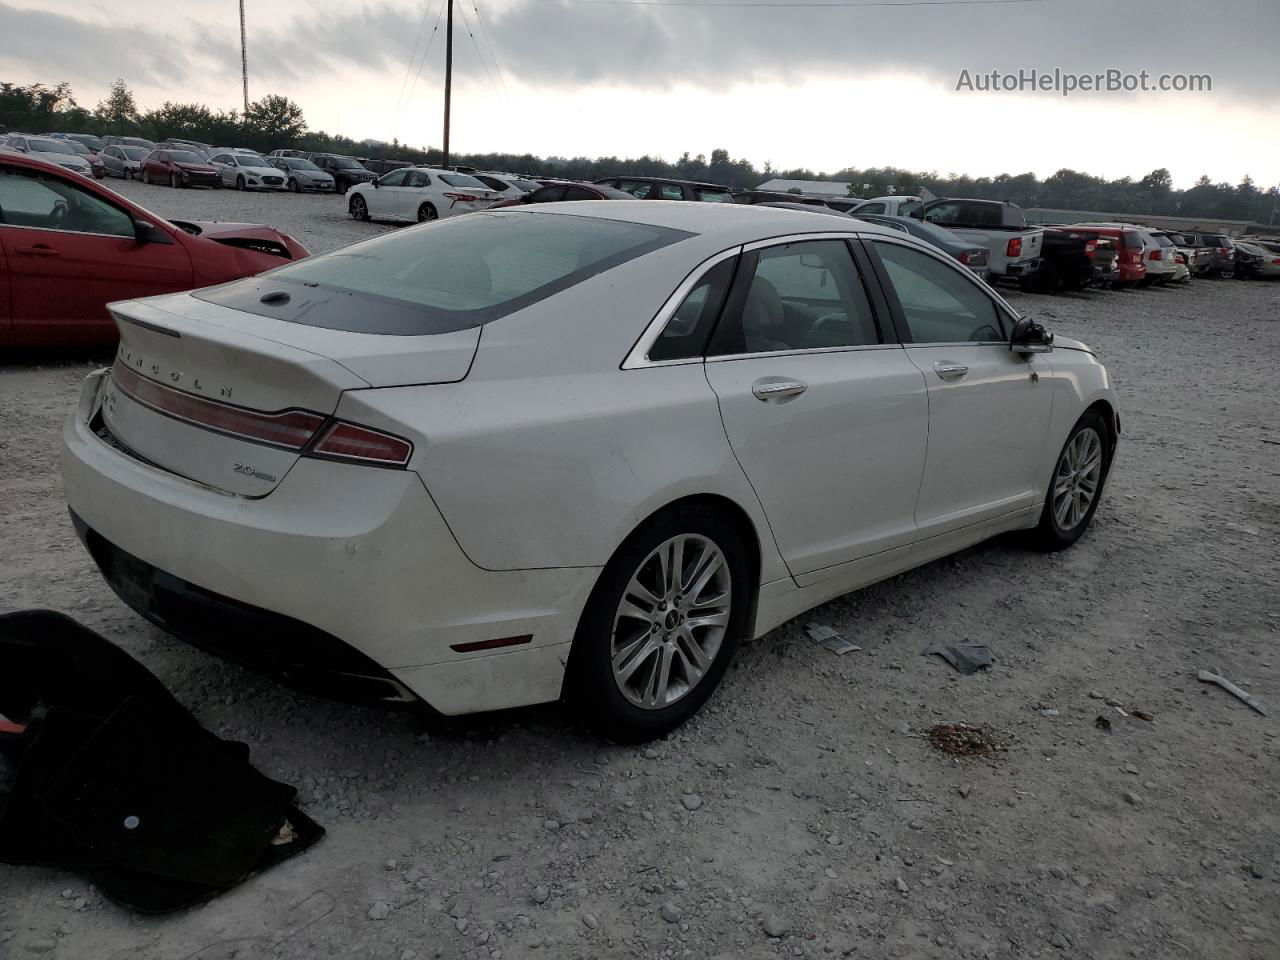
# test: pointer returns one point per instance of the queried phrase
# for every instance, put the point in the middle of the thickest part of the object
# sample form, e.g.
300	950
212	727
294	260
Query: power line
413	55
487	31
466	25
425	55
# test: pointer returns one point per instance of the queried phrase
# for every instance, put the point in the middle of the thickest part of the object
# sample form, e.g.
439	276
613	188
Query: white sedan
569	449
419	194
247	171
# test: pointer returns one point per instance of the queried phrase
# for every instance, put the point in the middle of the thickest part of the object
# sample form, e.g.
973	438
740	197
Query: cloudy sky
818	83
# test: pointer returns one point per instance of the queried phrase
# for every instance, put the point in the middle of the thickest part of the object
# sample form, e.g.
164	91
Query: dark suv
1224	251
346	171
660	188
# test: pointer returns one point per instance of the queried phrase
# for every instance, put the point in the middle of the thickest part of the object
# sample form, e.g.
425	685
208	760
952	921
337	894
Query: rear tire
427	212
645	656
1075	487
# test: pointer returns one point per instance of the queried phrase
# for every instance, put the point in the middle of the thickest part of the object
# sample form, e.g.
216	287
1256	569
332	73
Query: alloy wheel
358	209
671	621
1076	481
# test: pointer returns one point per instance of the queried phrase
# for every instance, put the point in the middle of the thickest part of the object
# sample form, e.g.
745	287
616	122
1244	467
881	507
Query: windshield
184	156
301	165
346	163
462	180
50	146
251	160
455	275
78	147
138	142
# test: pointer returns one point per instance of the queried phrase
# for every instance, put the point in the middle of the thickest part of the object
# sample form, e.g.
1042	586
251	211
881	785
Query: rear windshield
1133	240
462	180
453	275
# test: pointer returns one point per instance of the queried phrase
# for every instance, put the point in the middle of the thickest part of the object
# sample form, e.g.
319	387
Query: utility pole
244	59
448	79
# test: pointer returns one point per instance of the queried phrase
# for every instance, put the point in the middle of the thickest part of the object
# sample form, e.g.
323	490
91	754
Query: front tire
661	625
175	181
1075	488
293	186
239	183
358	209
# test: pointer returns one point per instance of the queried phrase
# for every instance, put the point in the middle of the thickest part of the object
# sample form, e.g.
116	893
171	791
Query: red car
1130	267
554	192
180	168
69	246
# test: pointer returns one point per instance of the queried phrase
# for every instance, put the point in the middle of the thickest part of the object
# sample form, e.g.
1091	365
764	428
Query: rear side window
1132	240
713	196
672	191
547	194
638	189
454	275
580	193
796	296
877	207
686	332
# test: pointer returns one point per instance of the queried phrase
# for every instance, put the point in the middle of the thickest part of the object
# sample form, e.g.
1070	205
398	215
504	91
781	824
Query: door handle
37	250
950	371
767	390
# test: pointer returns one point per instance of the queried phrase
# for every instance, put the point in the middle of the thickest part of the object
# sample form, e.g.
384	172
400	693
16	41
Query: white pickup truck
1014	248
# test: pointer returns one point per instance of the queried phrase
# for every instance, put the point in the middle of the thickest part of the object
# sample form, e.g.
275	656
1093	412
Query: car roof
650	179
723	223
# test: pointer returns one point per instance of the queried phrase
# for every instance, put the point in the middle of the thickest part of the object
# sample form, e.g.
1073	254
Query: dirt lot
803	813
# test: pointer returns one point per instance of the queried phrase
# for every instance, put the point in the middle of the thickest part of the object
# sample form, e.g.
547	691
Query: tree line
276	121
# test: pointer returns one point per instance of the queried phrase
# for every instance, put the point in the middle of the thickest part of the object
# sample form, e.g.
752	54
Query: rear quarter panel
548	454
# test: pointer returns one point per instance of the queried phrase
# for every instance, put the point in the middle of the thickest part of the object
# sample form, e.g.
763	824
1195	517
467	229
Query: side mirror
1030	337
375	183
144	231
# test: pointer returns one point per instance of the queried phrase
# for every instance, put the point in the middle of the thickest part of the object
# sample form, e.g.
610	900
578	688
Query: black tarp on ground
113	777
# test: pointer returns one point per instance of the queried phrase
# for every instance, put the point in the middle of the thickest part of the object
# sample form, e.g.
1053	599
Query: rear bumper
1023	268
343	576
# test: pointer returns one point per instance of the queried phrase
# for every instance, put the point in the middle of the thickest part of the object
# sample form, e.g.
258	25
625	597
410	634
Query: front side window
416	178
395	178
940	303
33	199
686	332
798	296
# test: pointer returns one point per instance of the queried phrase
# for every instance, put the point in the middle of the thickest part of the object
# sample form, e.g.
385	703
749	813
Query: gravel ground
804	813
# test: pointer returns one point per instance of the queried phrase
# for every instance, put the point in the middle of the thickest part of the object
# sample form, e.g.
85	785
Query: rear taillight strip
289	429
309	434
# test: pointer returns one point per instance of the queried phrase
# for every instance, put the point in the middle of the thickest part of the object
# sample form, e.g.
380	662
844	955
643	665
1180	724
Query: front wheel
293	186
661	625
146	178
175	181
358	209
1075	489
239	183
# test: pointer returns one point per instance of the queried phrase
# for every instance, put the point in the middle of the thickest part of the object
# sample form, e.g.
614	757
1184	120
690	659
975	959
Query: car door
826	414
225	165
70	252
6	321
989	410
388	198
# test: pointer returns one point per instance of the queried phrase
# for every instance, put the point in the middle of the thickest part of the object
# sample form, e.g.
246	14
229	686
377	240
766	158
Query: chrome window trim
810	351
638	356
72	233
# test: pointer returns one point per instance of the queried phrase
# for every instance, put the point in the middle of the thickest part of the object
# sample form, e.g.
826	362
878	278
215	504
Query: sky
796	84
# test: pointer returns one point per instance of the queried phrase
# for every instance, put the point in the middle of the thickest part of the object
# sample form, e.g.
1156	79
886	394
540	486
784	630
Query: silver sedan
123	161
303	175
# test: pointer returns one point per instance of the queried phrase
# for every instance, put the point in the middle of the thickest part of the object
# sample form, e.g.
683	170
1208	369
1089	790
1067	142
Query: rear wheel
358	209
661	625
1075	488
427	212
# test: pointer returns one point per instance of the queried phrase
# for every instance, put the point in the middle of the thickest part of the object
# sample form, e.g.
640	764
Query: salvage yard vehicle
1131	268
566	449
302	176
1068	260
129	142
556	191
507	184
418	194
1270	266
972	255
1157	252
663	188
50	151
179	168
1013	247
1221	248
96	165
124	162
895	206
1250	260
95	144
1198	260
69	246
247	171
346	171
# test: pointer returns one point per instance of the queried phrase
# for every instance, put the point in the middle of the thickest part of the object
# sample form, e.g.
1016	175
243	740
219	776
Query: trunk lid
228	399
